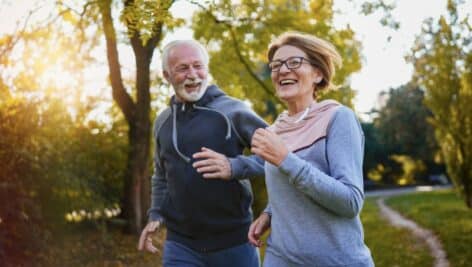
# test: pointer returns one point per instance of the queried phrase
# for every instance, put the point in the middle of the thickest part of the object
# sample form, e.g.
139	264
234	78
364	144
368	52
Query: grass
443	212
446	215
91	247
391	246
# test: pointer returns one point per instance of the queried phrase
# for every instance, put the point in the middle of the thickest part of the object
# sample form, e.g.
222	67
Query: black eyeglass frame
286	64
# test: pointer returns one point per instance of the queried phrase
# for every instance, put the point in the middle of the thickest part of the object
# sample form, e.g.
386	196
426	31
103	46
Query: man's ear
166	75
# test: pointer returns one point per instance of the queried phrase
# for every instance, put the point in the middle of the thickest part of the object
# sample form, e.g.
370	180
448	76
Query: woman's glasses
291	63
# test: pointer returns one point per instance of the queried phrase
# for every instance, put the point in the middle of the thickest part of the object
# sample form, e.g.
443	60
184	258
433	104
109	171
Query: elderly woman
313	155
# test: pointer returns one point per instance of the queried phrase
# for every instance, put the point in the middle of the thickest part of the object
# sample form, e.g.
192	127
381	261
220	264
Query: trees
406	135
136	112
20	212
402	124
50	166
442	57
400	146
49	161
238	36
145	22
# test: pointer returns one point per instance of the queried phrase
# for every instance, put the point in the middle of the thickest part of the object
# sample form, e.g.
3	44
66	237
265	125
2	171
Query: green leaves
142	16
442	61
238	37
400	146
387	19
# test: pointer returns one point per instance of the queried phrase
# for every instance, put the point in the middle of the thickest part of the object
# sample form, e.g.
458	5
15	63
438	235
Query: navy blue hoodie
204	214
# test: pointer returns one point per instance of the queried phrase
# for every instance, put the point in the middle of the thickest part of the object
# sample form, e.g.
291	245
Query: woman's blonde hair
322	53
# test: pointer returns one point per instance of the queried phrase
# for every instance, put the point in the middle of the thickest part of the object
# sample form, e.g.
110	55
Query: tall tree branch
80	23
16	37
122	98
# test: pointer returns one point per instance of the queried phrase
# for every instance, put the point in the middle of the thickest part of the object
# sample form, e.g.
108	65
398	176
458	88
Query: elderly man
201	135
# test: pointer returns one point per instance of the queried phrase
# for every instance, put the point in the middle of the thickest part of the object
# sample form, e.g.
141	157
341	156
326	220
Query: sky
383	63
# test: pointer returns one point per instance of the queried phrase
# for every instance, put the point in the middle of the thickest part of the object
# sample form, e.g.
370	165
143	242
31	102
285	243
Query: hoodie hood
305	128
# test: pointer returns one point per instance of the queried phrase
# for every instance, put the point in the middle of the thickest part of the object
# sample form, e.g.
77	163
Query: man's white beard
194	95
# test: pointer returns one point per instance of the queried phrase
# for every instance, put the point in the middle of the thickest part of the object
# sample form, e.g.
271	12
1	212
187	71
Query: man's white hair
168	48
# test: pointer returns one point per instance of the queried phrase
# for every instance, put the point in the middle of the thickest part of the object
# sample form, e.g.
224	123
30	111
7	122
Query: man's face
187	72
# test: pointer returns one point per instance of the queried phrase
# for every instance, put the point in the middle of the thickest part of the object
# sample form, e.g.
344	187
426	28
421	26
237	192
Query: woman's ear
318	76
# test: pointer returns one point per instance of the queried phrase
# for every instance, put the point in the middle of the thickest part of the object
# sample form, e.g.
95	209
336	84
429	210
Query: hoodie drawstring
174	128
228	123
174	135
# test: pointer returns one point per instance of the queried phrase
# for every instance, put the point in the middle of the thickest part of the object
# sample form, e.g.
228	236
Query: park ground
442	212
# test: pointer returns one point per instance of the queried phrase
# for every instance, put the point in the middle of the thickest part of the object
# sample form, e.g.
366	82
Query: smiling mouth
286	82
192	86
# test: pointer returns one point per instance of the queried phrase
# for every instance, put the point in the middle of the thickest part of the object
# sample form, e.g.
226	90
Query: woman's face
294	85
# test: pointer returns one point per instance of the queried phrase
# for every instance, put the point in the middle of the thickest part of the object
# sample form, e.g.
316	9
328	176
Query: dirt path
434	245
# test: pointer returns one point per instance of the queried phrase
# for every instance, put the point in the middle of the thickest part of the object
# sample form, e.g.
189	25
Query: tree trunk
137	194
136	197
136	174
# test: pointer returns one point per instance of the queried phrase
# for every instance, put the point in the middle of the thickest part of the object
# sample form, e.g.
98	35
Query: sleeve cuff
237	170
268	211
153	216
290	165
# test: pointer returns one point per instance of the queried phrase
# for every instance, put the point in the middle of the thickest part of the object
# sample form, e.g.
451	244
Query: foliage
19	212
442	57
400	145
410	169
370	7
142	16
402	124
50	166
46	72
374	154
238	37
446	216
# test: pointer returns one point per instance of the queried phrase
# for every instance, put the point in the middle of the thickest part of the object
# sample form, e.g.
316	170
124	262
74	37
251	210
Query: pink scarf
302	134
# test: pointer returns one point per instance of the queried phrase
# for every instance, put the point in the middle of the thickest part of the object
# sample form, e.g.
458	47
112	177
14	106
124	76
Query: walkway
434	245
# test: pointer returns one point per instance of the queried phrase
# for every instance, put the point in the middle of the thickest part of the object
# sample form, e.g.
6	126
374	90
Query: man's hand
145	240
212	165
269	146
258	228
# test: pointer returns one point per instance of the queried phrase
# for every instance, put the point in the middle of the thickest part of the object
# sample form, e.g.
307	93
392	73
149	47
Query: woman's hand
258	228
268	146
